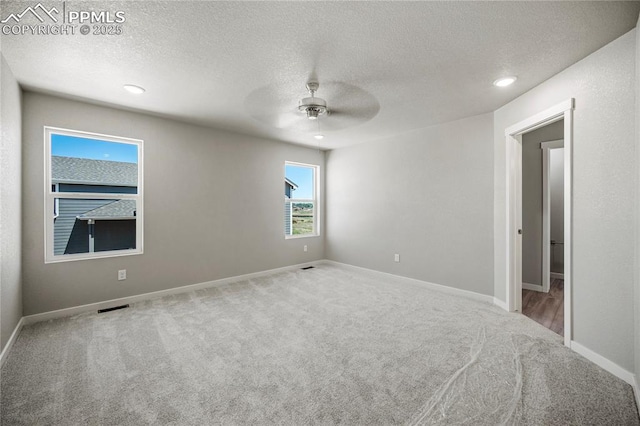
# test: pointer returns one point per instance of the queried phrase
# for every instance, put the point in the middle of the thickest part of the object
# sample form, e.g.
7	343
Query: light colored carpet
324	346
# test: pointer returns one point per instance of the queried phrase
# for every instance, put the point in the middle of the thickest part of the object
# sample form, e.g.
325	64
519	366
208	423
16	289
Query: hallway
546	308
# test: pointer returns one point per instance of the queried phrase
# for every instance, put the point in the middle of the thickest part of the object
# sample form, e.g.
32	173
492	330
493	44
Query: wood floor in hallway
546	308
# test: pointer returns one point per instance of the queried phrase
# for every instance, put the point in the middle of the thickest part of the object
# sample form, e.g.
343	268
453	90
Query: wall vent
115	308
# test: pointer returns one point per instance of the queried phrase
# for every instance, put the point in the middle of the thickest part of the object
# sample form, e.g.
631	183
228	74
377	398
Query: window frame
50	198
315	200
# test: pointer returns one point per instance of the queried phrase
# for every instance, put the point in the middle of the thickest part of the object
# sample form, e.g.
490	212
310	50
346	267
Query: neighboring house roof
290	183
120	209
93	172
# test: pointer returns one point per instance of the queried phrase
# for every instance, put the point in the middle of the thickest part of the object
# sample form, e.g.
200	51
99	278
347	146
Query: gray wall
637	214
532	199
10	204
213	207
426	195
604	178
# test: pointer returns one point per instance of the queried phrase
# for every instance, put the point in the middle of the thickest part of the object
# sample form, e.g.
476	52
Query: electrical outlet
305	247
122	274
396	257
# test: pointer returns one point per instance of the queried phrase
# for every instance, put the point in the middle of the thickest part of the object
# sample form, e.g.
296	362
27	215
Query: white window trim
50	198
315	200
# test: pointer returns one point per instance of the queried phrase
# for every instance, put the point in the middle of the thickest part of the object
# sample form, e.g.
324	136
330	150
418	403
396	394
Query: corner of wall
323	201
636	215
10	205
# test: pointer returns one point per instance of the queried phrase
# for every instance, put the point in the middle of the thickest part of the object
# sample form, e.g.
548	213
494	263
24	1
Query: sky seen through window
303	177
93	149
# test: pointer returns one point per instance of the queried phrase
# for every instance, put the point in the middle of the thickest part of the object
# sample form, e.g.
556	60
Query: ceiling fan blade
338	120
279	120
274	105
349	106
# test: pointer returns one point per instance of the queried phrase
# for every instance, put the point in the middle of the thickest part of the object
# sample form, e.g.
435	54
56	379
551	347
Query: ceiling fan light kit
313	106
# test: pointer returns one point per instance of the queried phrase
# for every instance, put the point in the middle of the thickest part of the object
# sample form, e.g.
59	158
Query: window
300	200
93	195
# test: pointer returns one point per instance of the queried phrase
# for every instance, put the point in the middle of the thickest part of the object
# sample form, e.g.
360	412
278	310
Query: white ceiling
232	65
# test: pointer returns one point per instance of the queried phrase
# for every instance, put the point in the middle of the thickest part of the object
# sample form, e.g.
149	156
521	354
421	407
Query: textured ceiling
242	66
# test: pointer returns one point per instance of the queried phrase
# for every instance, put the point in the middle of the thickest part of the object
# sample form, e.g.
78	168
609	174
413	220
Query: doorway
513	197
543	226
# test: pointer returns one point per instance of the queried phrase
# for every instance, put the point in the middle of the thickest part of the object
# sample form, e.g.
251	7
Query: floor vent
307	267
115	308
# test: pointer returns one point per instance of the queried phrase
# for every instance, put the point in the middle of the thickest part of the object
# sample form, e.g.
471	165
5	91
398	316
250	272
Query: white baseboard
92	307
532	287
501	304
606	364
12	339
556	276
636	391
439	287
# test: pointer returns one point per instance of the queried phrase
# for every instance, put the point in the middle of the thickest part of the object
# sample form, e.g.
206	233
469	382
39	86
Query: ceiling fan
313	106
275	105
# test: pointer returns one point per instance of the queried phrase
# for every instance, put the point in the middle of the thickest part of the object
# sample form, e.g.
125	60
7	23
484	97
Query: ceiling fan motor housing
313	106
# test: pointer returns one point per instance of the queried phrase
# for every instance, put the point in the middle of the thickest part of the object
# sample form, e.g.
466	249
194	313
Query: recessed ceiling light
136	90
319	137
505	81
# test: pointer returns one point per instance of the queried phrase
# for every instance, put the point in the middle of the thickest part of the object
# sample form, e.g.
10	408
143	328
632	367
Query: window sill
87	256
295	237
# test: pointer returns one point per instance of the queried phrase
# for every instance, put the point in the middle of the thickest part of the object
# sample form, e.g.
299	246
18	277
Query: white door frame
513	258
546	212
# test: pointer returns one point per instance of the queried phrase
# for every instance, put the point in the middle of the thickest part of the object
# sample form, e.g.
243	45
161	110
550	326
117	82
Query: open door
514	231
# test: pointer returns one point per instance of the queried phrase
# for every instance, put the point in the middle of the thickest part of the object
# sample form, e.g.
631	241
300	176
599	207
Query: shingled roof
93	172
120	209
291	183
